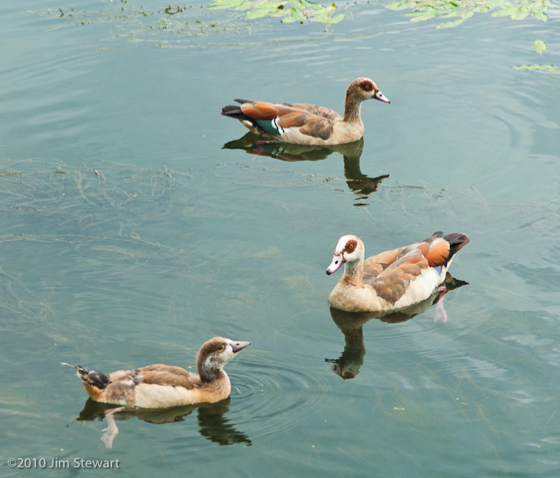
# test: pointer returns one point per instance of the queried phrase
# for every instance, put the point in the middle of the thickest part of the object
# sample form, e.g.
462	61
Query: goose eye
350	247
221	348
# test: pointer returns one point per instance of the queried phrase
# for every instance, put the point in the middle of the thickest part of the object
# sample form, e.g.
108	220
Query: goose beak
238	346
335	264
381	97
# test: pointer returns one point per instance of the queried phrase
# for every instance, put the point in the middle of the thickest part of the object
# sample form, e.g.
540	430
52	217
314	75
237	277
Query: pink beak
337	261
381	97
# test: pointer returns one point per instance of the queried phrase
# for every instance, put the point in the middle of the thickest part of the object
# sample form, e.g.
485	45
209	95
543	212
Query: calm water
130	235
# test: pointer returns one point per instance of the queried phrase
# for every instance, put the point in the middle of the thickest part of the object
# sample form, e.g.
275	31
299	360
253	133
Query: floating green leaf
335	19
450	24
222	4
291	10
535	67
508	11
539	46
539	15
495	3
520	13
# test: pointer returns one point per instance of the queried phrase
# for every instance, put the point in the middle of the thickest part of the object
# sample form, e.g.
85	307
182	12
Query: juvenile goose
300	123
159	386
393	279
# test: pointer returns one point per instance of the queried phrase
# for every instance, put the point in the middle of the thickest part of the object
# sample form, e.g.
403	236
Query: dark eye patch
350	246
366	85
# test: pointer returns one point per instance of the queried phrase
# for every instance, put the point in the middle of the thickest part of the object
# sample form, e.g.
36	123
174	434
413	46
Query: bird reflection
350	323
357	182
212	422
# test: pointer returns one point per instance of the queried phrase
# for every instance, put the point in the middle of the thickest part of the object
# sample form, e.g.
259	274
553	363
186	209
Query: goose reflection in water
350	323
357	182
212	422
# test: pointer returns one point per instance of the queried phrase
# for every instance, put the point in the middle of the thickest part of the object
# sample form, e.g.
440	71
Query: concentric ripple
278	395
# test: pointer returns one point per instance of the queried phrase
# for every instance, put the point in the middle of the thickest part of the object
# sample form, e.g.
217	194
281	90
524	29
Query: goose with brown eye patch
394	279
302	123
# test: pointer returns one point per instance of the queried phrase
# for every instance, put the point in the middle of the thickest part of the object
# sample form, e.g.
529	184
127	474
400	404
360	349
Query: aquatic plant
462	10
289	10
540	47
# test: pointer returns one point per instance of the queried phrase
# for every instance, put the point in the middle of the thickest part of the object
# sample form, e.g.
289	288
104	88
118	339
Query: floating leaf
450	24
539	46
495	3
221	4
506	12
335	19
244	6
520	13
535	67
399	5
297	4
288	20
297	15
264	10
539	15
422	19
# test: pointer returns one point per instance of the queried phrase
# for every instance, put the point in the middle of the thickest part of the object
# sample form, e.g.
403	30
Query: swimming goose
159	386
393	279
300	123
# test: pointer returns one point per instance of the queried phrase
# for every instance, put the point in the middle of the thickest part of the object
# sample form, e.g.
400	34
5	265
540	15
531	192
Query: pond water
137	223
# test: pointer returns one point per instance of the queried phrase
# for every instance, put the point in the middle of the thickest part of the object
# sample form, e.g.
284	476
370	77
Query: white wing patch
277	127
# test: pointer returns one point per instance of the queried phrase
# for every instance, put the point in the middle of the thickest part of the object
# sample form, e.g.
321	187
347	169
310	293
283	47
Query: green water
137	223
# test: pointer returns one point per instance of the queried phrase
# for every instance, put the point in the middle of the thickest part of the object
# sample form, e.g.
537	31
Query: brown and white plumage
301	123
159	386
393	279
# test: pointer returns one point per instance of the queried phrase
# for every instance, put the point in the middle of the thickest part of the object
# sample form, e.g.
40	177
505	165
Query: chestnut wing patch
438	253
260	110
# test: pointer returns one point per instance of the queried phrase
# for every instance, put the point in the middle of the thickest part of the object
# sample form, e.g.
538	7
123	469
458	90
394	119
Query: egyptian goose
159	386
393	279
300	123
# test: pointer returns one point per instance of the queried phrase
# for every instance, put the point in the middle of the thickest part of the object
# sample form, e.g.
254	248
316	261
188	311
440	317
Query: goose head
349	250
215	353
365	89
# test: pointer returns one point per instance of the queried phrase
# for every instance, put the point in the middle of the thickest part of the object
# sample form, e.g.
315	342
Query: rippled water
137	223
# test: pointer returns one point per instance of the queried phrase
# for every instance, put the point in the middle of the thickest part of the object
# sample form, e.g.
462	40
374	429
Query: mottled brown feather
168	375
292	119
317	127
392	283
376	264
317	110
314	121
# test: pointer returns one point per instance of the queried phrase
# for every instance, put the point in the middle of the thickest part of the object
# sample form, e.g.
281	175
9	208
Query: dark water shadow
360	184
212	422
348	365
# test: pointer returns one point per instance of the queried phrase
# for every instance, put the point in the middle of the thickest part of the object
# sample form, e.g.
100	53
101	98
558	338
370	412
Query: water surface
137	223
